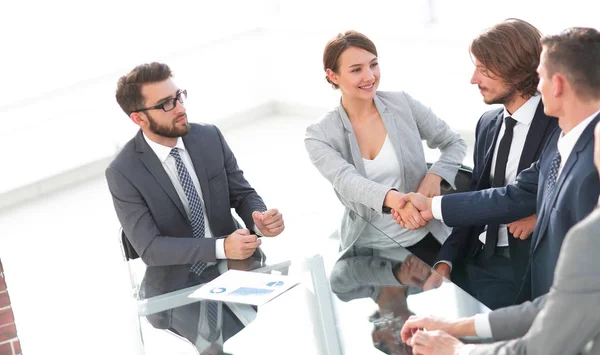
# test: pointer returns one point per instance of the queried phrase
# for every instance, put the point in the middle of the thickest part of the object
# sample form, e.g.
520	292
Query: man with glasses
173	187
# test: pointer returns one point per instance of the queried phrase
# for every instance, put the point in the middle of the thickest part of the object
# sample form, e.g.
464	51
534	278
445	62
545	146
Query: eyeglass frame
162	106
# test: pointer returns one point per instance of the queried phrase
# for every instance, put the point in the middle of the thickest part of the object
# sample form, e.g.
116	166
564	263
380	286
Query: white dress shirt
168	162
524	116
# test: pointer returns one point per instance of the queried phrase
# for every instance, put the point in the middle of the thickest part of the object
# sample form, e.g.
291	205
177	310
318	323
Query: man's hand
412	271
522	228
435	342
422	203
410	216
240	244
458	328
430	185
436	278
415	323
269	223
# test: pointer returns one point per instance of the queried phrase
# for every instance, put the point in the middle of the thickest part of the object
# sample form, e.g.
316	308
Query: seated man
566	320
173	186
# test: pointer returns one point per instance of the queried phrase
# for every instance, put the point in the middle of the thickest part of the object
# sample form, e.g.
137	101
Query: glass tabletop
350	301
377	284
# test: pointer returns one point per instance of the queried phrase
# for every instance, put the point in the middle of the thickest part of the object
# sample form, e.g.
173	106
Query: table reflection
400	285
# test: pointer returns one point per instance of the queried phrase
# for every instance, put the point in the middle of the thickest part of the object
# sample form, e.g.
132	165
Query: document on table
245	287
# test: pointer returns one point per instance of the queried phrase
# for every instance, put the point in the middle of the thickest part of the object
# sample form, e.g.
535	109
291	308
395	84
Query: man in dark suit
567	319
508	140
173	187
562	186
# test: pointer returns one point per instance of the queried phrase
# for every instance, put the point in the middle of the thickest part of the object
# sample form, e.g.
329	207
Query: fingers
410	327
403	200
434	281
411	218
524	236
271	216
518	231
241	232
269	223
241	244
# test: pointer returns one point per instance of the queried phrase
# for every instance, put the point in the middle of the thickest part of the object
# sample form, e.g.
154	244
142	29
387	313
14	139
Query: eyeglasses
168	105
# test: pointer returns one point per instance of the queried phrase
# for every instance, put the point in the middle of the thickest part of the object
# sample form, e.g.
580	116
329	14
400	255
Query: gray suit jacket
566	320
333	149
153	216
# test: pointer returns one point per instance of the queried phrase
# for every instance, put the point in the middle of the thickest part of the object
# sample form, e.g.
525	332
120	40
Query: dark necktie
491	238
553	175
196	213
197	222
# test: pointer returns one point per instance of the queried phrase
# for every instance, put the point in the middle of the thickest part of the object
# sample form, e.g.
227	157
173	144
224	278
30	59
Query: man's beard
168	132
503	98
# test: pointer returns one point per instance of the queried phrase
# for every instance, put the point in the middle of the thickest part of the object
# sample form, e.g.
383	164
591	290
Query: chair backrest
128	252
462	180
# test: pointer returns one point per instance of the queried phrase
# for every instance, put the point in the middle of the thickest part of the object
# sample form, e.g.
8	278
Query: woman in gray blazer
370	149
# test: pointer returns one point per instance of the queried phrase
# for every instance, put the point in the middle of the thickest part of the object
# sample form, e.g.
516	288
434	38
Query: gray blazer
153	216
566	320
333	149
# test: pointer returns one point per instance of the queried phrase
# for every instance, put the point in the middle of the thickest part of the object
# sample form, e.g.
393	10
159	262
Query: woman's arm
439	135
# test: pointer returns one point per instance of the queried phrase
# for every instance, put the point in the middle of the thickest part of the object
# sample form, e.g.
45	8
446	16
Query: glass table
377	288
356	304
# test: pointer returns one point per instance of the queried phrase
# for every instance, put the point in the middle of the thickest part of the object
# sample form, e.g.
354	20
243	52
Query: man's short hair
575	53
129	87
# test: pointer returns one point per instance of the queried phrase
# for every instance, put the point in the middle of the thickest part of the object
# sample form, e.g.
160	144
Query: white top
385	170
524	116
168	163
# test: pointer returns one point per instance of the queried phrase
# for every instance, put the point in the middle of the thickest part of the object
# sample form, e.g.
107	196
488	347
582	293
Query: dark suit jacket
573	198
463	241
153	217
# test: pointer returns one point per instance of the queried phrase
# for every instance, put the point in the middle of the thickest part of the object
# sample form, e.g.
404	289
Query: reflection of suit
574	196
464	241
567	318
360	274
153	217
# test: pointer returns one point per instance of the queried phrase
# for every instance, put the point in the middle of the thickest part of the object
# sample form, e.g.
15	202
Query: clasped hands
241	244
413	210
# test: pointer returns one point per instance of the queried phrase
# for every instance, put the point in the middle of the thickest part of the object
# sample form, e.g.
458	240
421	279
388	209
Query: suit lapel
352	142
196	151
535	136
154	166
492	136
586	138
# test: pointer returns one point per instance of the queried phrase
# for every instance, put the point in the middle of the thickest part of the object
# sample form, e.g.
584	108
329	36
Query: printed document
245	287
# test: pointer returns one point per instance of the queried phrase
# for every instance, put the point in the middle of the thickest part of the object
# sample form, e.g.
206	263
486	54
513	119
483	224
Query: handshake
410	211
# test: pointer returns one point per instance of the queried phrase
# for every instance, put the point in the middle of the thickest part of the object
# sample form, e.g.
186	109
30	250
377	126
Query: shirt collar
525	113
162	151
566	142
